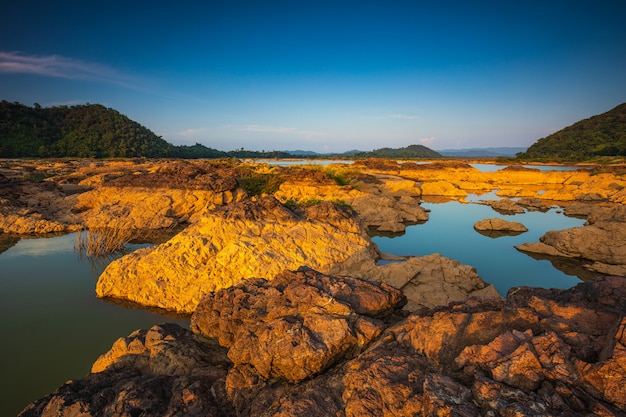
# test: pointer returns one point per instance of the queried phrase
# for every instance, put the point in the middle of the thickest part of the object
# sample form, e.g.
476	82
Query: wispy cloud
279	130
427	141
191	132
61	67
402	116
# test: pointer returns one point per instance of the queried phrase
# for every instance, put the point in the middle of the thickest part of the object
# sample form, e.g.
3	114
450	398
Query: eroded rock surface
28	207
537	352
243	240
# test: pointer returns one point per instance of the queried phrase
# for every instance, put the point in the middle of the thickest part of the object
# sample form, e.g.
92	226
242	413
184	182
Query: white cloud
278	130
191	132
427	141
402	116
60	67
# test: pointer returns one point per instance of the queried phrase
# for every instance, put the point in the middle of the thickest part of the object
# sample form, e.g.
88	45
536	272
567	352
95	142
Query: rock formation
496	227
601	241
310	344
242	240
28	207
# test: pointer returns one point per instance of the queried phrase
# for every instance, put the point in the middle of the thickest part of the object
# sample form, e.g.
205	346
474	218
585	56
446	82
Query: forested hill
90	130
601	135
408	152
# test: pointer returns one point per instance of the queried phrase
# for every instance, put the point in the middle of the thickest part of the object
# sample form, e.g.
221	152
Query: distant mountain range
448	153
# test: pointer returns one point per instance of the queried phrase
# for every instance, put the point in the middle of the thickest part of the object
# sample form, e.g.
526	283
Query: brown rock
603	243
163	371
296	325
499	225
537	352
427	281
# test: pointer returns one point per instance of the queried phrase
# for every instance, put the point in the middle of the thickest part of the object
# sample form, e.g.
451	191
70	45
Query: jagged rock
296	325
534	204
497	224
537	352
242	240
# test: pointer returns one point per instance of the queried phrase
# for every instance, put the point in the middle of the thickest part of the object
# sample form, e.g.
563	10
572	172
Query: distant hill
601	135
493	152
409	152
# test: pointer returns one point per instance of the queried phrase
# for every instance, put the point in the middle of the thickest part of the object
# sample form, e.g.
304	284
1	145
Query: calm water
53	326
494	167
450	232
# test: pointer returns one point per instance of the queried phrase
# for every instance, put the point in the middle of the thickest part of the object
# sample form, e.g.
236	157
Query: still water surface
450	232
53	326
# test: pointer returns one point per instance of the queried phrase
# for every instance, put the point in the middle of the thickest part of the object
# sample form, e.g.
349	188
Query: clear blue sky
323	76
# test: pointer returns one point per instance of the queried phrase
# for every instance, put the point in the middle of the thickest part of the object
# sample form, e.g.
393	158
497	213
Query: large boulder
602	242
427	281
296	325
537	352
242	240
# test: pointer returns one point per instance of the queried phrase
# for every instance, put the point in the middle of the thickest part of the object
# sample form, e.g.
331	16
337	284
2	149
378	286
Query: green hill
409	152
90	130
601	135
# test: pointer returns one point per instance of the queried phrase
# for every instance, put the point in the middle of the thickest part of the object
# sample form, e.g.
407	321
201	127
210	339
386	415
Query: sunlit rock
243	240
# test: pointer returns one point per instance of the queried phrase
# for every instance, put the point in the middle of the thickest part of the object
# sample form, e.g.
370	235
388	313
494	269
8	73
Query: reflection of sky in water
493	167
450	232
57	326
40	247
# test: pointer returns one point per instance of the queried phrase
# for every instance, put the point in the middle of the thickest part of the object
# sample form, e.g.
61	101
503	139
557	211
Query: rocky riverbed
291	300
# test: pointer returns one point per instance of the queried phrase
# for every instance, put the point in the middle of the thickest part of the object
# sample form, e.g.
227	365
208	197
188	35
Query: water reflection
53	325
450	232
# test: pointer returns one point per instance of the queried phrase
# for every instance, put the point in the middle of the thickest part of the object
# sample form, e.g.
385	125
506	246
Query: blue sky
323	76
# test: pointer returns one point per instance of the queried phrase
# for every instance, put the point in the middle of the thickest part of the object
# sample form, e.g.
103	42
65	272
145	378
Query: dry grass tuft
101	241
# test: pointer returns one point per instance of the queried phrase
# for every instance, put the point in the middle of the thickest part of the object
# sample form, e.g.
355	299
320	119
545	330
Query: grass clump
258	184
102	241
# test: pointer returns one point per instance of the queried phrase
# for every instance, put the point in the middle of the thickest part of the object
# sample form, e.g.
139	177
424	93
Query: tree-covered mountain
601	135
408	152
90	130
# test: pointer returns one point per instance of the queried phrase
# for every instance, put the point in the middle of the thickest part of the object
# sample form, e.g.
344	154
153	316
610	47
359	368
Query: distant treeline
601	135
95	131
